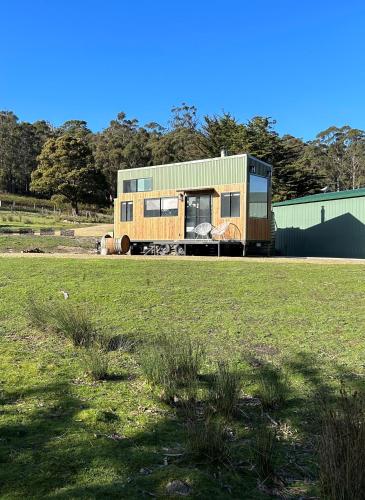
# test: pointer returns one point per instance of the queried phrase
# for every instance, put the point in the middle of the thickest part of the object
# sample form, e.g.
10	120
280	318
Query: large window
137	185
258	196
160	207
126	211
230	205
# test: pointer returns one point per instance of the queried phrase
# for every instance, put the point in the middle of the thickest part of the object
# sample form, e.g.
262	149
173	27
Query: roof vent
223	153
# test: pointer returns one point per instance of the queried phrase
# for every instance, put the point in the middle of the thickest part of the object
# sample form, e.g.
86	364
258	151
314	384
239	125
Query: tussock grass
95	362
172	363
207	438
263	451
65	318
341	448
225	389
273	387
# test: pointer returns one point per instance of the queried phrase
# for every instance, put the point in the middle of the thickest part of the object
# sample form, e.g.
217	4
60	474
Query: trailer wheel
180	250
164	249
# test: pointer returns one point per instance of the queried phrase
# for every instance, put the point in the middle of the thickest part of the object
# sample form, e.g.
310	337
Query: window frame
136	181
160	211
267	196
228	194
127	212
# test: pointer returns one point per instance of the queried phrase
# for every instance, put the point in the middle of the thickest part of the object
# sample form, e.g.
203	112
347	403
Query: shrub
273	387
263	452
341	447
172	363
207	437
225	390
95	362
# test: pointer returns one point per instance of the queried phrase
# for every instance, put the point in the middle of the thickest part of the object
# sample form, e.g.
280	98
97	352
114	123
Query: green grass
15	220
58	244
64	435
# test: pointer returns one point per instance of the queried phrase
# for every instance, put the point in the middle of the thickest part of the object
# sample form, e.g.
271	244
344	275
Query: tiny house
161	208
322	225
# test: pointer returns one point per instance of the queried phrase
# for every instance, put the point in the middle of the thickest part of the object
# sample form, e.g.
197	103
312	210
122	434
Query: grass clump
263	452
207	438
95	362
225	390
172	363
341	448
65	318
273	387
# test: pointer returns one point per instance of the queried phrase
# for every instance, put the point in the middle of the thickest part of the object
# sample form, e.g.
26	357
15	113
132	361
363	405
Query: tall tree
66	167
76	128
122	145
9	151
180	142
340	153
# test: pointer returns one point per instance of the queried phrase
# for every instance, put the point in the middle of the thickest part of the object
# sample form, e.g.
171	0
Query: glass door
198	209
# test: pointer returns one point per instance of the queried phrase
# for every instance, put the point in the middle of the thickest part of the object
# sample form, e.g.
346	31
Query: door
198	209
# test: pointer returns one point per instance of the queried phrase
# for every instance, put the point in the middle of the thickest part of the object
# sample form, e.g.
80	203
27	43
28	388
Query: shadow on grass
51	452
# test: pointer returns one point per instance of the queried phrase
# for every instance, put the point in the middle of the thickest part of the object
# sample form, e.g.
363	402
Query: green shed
322	225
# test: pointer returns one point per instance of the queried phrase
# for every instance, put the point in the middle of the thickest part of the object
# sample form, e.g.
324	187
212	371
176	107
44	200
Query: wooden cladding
172	227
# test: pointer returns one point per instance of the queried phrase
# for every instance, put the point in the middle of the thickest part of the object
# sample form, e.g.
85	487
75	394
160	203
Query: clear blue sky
301	62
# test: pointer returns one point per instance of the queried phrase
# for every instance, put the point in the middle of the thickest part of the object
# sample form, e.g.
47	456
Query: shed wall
334	228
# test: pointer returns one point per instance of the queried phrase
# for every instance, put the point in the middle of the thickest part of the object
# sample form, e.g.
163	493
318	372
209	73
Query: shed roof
337	195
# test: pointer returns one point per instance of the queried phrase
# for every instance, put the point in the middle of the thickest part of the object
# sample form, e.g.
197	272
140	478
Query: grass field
12	220
55	244
64	436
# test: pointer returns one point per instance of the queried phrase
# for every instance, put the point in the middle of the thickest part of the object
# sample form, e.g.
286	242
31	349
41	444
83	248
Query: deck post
219	248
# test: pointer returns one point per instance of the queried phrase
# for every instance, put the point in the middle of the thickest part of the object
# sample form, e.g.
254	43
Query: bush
263	452
207	437
172	363
273	387
65	318
95	362
225	390
341	448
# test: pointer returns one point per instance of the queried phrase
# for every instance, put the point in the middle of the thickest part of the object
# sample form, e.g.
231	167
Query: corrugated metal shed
323	225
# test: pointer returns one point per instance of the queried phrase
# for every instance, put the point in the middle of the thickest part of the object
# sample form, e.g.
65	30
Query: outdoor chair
202	230
220	231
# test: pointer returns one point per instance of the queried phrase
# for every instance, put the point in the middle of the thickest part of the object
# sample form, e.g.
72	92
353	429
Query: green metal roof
337	195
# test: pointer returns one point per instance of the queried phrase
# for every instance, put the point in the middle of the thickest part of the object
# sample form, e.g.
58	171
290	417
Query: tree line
73	163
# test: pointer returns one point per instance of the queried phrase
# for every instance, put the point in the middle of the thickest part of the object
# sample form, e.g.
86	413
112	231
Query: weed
225	390
341	448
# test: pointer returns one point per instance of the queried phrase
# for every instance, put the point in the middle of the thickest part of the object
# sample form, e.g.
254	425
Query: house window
230	205
258	196
169	207
137	185
152	207
160	207
126	211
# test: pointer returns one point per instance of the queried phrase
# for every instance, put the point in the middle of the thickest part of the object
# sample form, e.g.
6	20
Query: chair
202	230
220	230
